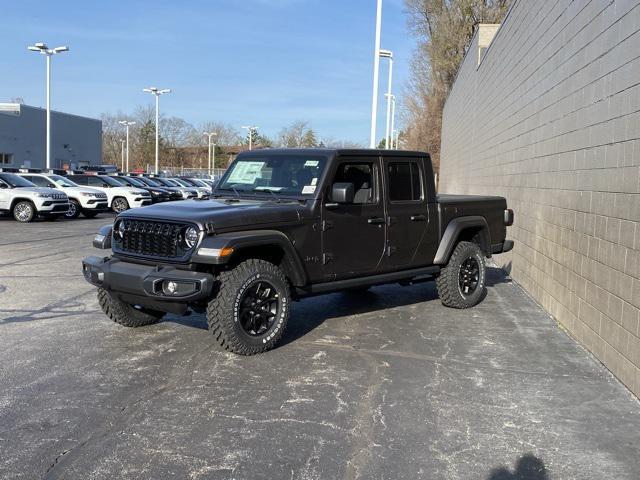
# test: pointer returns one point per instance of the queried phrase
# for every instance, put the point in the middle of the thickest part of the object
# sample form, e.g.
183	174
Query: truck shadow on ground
528	467
310	313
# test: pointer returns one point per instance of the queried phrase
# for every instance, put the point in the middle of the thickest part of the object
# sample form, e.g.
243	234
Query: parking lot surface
382	385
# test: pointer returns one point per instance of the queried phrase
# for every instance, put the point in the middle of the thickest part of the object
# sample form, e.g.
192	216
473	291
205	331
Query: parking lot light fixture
48	52
127	124
250	130
157	92
210	157
388	54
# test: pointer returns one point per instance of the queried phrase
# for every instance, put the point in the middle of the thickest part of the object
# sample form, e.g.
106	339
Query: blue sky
262	62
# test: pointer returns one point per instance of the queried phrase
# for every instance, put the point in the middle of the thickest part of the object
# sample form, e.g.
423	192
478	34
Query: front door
407	213
5	195
354	235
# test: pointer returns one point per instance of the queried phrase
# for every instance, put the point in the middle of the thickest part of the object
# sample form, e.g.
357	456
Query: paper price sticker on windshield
311	163
308	189
246	172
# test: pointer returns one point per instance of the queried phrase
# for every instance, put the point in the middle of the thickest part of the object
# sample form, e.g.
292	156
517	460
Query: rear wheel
125	314
461	282
74	209
24	211
119	204
251	309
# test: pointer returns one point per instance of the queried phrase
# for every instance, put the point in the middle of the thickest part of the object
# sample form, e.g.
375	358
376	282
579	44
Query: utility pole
157	92
376	68
48	52
122	142
393	121
127	124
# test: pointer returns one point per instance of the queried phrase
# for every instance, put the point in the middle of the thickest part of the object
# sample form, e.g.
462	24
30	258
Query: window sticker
275	189
311	163
308	189
314	181
246	172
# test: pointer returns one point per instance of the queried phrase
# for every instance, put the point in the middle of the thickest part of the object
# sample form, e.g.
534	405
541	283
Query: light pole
376	68
157	92
211	135
388	54
127	124
392	129
122	142
48	52
250	130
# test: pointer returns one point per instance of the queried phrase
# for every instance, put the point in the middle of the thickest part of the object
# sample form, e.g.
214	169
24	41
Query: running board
408	276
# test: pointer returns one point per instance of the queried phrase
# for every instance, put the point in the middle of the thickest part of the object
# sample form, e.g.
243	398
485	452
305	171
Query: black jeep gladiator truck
285	224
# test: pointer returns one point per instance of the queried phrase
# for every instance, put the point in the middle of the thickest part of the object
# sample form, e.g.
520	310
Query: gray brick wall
550	119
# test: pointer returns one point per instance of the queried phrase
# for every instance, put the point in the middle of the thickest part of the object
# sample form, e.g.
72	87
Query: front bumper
147	285
53	206
96	205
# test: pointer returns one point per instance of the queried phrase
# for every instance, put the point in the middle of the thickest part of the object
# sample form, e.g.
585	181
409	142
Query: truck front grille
150	239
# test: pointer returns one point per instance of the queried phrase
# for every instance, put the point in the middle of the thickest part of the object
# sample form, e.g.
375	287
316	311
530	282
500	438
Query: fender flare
247	239
453	231
21	199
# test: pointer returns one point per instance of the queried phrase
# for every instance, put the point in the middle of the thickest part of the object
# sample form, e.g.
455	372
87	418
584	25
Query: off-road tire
89	214
74	209
447	281
223	311
23	206
125	314
119	204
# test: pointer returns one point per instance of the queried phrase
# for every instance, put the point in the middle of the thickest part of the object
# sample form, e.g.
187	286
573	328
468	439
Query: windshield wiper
272	192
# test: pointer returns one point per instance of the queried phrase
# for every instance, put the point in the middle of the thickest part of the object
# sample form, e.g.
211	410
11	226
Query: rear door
407	213
353	235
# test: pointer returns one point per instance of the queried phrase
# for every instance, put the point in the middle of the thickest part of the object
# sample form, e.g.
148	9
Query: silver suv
25	200
88	201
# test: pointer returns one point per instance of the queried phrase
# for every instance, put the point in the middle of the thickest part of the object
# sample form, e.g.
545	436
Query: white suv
26	200
88	201
119	198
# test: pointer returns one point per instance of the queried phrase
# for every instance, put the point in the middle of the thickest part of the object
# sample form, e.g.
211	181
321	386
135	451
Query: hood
222	214
81	190
55	193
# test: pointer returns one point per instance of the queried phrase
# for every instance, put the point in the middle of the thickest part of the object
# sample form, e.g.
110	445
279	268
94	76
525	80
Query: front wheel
119	205
24	211
74	209
125	314
251	309
461	282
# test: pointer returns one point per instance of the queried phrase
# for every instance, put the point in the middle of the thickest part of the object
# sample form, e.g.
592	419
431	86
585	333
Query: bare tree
444	29
298	134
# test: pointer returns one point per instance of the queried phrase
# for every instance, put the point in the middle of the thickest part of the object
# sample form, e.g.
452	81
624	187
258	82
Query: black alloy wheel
259	308
468	276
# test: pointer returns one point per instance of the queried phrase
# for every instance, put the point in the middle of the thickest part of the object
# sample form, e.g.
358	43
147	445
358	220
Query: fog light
178	289
171	287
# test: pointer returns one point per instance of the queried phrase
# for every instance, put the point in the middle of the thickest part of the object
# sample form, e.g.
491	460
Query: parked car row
31	193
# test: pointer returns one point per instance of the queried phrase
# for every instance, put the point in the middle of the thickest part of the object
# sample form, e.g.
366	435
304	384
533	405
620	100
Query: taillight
508	217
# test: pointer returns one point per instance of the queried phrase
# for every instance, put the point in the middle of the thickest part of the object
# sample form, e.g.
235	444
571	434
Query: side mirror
52	185
3	185
342	192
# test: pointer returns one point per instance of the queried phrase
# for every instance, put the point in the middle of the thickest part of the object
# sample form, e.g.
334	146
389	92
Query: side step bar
416	274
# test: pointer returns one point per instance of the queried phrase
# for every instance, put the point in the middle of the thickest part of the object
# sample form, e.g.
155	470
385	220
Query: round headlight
190	237
118	231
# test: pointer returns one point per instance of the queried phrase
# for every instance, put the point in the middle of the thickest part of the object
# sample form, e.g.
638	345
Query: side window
405	184
363	177
78	180
39	181
94	181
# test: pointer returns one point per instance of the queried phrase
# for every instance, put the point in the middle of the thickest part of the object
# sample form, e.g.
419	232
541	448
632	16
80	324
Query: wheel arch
470	228
271	245
16	200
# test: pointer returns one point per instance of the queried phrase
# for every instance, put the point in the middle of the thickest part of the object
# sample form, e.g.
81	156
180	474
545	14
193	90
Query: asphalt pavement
382	385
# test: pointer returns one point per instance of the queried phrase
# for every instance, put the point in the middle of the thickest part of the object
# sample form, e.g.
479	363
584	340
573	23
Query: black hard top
333	151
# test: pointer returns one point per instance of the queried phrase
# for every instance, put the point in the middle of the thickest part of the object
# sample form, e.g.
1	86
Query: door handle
375	220
418	218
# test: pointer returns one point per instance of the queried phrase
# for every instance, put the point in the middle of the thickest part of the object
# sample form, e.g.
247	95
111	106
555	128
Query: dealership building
75	141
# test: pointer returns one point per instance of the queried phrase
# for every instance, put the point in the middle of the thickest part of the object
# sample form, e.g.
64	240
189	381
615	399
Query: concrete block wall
549	117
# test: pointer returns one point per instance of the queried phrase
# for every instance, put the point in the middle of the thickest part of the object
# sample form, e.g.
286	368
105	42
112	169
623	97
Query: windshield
198	183
62	182
181	182
15	181
133	181
150	182
120	181
110	181
166	182
281	174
